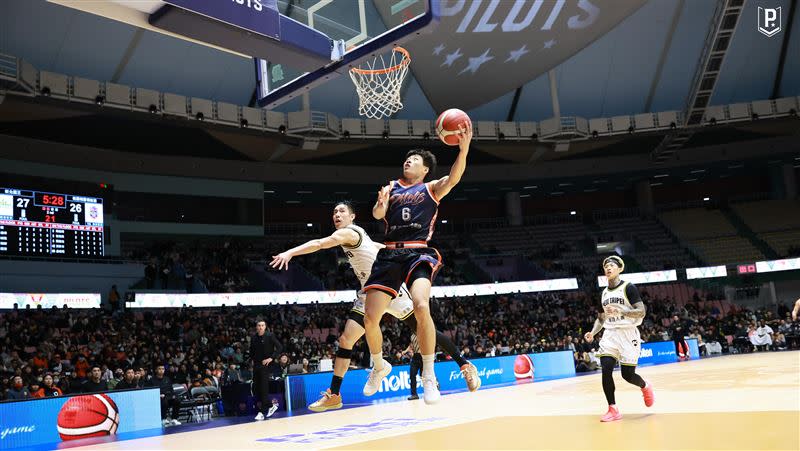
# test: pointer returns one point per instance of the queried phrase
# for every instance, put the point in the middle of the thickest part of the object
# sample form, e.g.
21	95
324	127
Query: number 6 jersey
411	215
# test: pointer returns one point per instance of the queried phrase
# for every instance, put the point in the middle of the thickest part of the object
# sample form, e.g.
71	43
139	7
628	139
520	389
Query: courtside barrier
493	371
50	421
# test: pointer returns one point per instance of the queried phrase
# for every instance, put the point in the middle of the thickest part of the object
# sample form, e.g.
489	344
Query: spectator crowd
59	351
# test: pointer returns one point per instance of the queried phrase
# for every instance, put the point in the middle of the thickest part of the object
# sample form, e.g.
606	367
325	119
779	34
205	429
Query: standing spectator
150	275
416	365
264	349
18	390
678	333
113	298
95	383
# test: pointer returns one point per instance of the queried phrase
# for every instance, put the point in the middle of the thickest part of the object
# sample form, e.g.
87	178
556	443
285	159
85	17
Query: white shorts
400	307
623	344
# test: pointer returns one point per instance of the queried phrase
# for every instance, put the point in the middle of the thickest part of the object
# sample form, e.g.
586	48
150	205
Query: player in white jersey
623	311
361	252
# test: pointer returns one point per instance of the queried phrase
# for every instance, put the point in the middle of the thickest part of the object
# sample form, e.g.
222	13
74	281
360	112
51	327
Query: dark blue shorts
393	267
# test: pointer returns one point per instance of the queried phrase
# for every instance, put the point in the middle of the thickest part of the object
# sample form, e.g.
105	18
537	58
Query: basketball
88	416
523	367
447	125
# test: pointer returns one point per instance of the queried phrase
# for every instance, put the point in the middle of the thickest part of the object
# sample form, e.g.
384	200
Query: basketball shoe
375	377
431	390
648	395
470	373
612	415
328	401
260	416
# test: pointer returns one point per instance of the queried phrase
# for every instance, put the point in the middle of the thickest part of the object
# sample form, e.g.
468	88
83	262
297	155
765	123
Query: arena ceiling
641	59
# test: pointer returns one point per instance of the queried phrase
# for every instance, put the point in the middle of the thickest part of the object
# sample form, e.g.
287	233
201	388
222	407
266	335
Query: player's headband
615	260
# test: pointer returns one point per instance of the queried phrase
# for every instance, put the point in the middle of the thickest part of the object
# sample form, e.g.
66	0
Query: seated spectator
36	390
18	390
129	381
95	383
761	335
48	388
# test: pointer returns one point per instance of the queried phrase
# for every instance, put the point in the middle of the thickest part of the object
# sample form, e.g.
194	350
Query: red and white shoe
612	415
648	395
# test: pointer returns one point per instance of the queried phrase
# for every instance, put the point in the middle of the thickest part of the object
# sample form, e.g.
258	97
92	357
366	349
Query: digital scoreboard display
40	223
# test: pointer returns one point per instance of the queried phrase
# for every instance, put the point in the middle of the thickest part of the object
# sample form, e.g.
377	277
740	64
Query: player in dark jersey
409	207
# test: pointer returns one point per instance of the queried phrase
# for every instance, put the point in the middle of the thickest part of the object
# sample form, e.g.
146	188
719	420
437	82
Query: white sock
377	361
427	365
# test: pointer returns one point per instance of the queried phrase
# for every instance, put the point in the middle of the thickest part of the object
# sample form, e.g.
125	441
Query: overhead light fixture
282	129
556	193
99	100
530	187
444	221
706	199
200	116
689	180
698	171
303	192
658	176
244	123
656	184
152	109
524	195
385	134
269	191
309	225
292	201
573	213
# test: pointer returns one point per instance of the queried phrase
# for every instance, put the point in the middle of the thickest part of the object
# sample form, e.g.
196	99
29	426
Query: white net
378	84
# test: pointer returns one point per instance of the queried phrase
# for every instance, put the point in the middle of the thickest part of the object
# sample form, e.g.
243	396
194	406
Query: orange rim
404	62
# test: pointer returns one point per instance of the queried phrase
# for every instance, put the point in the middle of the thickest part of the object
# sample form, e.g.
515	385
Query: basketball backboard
367	27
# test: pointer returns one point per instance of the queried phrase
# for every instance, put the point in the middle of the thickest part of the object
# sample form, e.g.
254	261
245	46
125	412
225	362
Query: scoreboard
50	224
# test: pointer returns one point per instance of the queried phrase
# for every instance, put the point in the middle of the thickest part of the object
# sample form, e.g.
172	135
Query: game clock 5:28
52	200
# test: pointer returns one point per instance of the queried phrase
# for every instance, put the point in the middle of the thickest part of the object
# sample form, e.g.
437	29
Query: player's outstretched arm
347	237
443	186
379	210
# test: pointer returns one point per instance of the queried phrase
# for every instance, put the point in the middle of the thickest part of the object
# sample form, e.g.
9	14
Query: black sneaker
413	397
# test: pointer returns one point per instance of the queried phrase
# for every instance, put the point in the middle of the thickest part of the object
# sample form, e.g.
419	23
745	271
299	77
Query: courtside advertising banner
51	421
664	352
162	300
49	300
302	390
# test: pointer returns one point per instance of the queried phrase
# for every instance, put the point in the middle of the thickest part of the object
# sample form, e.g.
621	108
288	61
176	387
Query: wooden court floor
736	402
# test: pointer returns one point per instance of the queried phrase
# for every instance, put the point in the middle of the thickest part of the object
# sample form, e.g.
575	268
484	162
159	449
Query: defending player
409	207
361	252
623	311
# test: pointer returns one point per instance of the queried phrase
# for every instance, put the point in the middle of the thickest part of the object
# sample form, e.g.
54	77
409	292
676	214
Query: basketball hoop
378	84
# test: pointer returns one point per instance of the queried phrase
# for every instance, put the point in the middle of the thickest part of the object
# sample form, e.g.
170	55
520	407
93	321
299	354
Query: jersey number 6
406	213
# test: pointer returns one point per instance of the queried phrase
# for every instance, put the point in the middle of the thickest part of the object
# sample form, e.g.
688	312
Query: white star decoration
475	63
549	43
452	57
515	55
438	49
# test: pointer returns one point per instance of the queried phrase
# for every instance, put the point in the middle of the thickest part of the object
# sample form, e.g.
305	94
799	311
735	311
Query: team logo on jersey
409	198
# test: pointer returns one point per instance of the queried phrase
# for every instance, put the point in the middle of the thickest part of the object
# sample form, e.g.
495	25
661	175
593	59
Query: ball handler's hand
281	261
383	195
588	337
464	136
